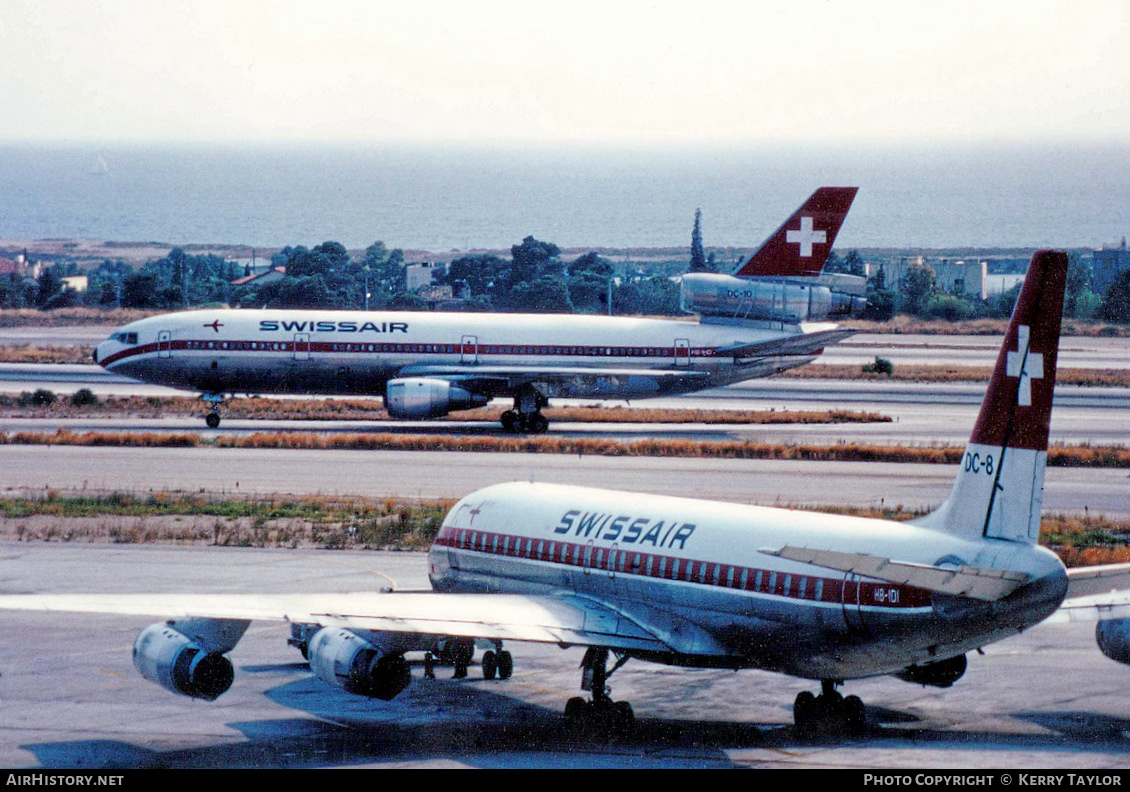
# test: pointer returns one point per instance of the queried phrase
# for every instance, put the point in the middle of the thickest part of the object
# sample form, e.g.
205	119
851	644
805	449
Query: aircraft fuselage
347	352
694	568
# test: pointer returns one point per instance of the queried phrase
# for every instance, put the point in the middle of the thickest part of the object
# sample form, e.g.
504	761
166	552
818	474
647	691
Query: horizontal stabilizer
978	583
1088	581
1099	607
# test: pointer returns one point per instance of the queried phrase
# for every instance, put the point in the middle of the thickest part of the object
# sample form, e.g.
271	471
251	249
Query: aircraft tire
855	715
805	712
505	665
510	421
491	666
212	420
538	424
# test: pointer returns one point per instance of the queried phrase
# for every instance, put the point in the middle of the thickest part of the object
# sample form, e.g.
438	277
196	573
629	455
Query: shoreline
87	251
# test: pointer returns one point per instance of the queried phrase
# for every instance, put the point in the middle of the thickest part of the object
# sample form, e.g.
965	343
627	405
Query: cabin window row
645	564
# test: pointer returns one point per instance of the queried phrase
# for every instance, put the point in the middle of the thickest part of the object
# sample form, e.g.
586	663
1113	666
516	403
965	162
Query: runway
429	475
920	413
70	697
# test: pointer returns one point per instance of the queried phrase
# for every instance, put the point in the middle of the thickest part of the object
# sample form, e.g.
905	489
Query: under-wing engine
941	674
788	300
423	397
193	666
1113	638
357	664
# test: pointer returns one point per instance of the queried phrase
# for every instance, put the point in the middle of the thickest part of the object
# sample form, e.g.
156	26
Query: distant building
76	283
999	284
1107	265
969	278
20	267
262	278
418	276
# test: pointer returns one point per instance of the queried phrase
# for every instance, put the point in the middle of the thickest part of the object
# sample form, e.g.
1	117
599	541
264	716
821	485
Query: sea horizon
465	197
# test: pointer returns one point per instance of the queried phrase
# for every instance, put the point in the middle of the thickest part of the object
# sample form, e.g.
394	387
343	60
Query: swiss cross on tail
1017	409
801	245
998	490
1026	365
806	237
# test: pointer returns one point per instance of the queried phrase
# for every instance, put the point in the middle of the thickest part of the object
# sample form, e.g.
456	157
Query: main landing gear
460	652
214	400
497	662
526	417
601	715
828	713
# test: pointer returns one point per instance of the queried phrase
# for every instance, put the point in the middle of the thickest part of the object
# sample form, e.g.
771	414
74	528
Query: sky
615	72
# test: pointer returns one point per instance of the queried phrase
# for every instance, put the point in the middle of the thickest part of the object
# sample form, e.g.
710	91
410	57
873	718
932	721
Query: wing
810	343
563	381
980	583
547	619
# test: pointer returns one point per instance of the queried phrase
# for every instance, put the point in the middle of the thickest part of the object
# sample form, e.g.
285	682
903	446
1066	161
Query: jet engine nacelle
178	664
347	660
769	299
940	674
1113	638
422	397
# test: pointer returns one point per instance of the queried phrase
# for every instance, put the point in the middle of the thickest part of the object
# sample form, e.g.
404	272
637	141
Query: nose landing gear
526	417
601	715
214	400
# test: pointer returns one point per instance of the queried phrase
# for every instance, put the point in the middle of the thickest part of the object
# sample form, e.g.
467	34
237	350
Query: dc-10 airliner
768	316
693	583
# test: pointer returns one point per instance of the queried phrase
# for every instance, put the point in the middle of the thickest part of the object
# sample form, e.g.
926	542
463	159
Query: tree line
534	279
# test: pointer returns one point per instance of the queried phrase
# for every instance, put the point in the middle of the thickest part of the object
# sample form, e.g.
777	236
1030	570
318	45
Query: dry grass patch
909	325
179	518
370	409
1058	456
943	373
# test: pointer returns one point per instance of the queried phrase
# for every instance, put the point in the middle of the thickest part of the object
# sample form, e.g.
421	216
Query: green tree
1116	304
917	287
477	274
533	259
698	255
544	295
50	284
1078	282
589	278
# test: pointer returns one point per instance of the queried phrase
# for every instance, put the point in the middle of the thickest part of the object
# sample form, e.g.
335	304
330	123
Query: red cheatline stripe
322	347
664	567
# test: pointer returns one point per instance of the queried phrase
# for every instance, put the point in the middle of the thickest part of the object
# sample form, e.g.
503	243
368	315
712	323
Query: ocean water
442	199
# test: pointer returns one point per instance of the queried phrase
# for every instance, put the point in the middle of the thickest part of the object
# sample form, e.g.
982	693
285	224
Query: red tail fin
1017	409
998	491
802	244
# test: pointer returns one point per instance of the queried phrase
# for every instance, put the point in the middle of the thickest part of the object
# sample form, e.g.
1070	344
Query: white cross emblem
1024	364
805	237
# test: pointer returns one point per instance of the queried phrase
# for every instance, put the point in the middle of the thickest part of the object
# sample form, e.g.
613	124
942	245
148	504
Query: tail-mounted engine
941	674
787	300
1113	638
189	657
421	397
349	661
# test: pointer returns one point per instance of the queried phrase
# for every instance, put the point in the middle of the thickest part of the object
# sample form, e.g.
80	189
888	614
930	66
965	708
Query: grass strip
335	522
1058	455
361	409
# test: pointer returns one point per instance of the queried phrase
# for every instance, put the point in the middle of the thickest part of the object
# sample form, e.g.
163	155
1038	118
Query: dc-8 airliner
693	583
768	316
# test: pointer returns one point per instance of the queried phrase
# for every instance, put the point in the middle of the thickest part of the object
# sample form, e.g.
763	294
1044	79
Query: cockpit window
126	338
